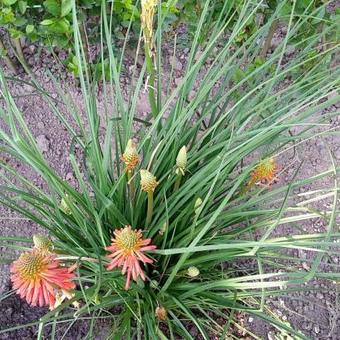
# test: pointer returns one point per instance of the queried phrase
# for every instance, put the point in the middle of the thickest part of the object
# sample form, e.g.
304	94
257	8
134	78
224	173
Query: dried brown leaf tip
161	313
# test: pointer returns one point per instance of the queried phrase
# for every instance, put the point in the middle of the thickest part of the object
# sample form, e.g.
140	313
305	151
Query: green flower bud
198	203
193	271
163	229
64	206
154	284
181	161
42	242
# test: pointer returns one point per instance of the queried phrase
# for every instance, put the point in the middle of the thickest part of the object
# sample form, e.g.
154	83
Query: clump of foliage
163	211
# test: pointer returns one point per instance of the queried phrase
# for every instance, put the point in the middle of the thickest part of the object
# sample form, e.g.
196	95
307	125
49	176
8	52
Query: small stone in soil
69	176
43	143
176	64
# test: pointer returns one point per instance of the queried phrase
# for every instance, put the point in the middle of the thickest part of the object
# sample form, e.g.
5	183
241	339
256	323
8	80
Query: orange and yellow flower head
37	276
264	172
130	156
127	251
148	181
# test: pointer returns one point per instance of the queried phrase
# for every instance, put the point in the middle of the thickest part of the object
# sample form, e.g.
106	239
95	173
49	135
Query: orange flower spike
37	277
264	172
127	248
130	156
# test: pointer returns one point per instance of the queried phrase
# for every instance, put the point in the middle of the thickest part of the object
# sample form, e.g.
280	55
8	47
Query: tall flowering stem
38	277
147	16
148	184
127	251
131	159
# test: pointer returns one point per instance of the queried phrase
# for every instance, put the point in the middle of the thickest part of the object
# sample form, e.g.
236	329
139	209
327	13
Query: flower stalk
178	182
131	159
148	184
150	208
131	185
147	16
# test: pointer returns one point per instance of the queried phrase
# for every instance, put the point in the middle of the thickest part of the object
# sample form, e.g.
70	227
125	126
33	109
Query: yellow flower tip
148	181
42	242
147	15
181	161
161	313
264	172
193	271
130	156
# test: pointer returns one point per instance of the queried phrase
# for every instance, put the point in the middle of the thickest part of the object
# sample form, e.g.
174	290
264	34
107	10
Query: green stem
7	59
269	38
151	81
178	182
131	185
150	208
20	54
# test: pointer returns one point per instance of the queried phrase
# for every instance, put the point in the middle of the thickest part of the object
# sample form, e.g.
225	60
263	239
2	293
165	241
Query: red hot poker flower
37	276
264	172
127	250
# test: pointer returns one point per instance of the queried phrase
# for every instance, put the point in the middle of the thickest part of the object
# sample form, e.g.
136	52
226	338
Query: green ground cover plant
165	208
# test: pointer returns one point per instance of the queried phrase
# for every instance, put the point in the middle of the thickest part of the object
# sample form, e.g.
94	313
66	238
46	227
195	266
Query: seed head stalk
147	16
148	184
151	80
150	208
131	159
131	185
178	181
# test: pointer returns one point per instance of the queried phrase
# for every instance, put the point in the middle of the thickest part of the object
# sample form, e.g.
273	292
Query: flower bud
42	242
147	15
130	156
198	203
161	313
64	206
154	284
181	161
193	271
148	181
163	228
